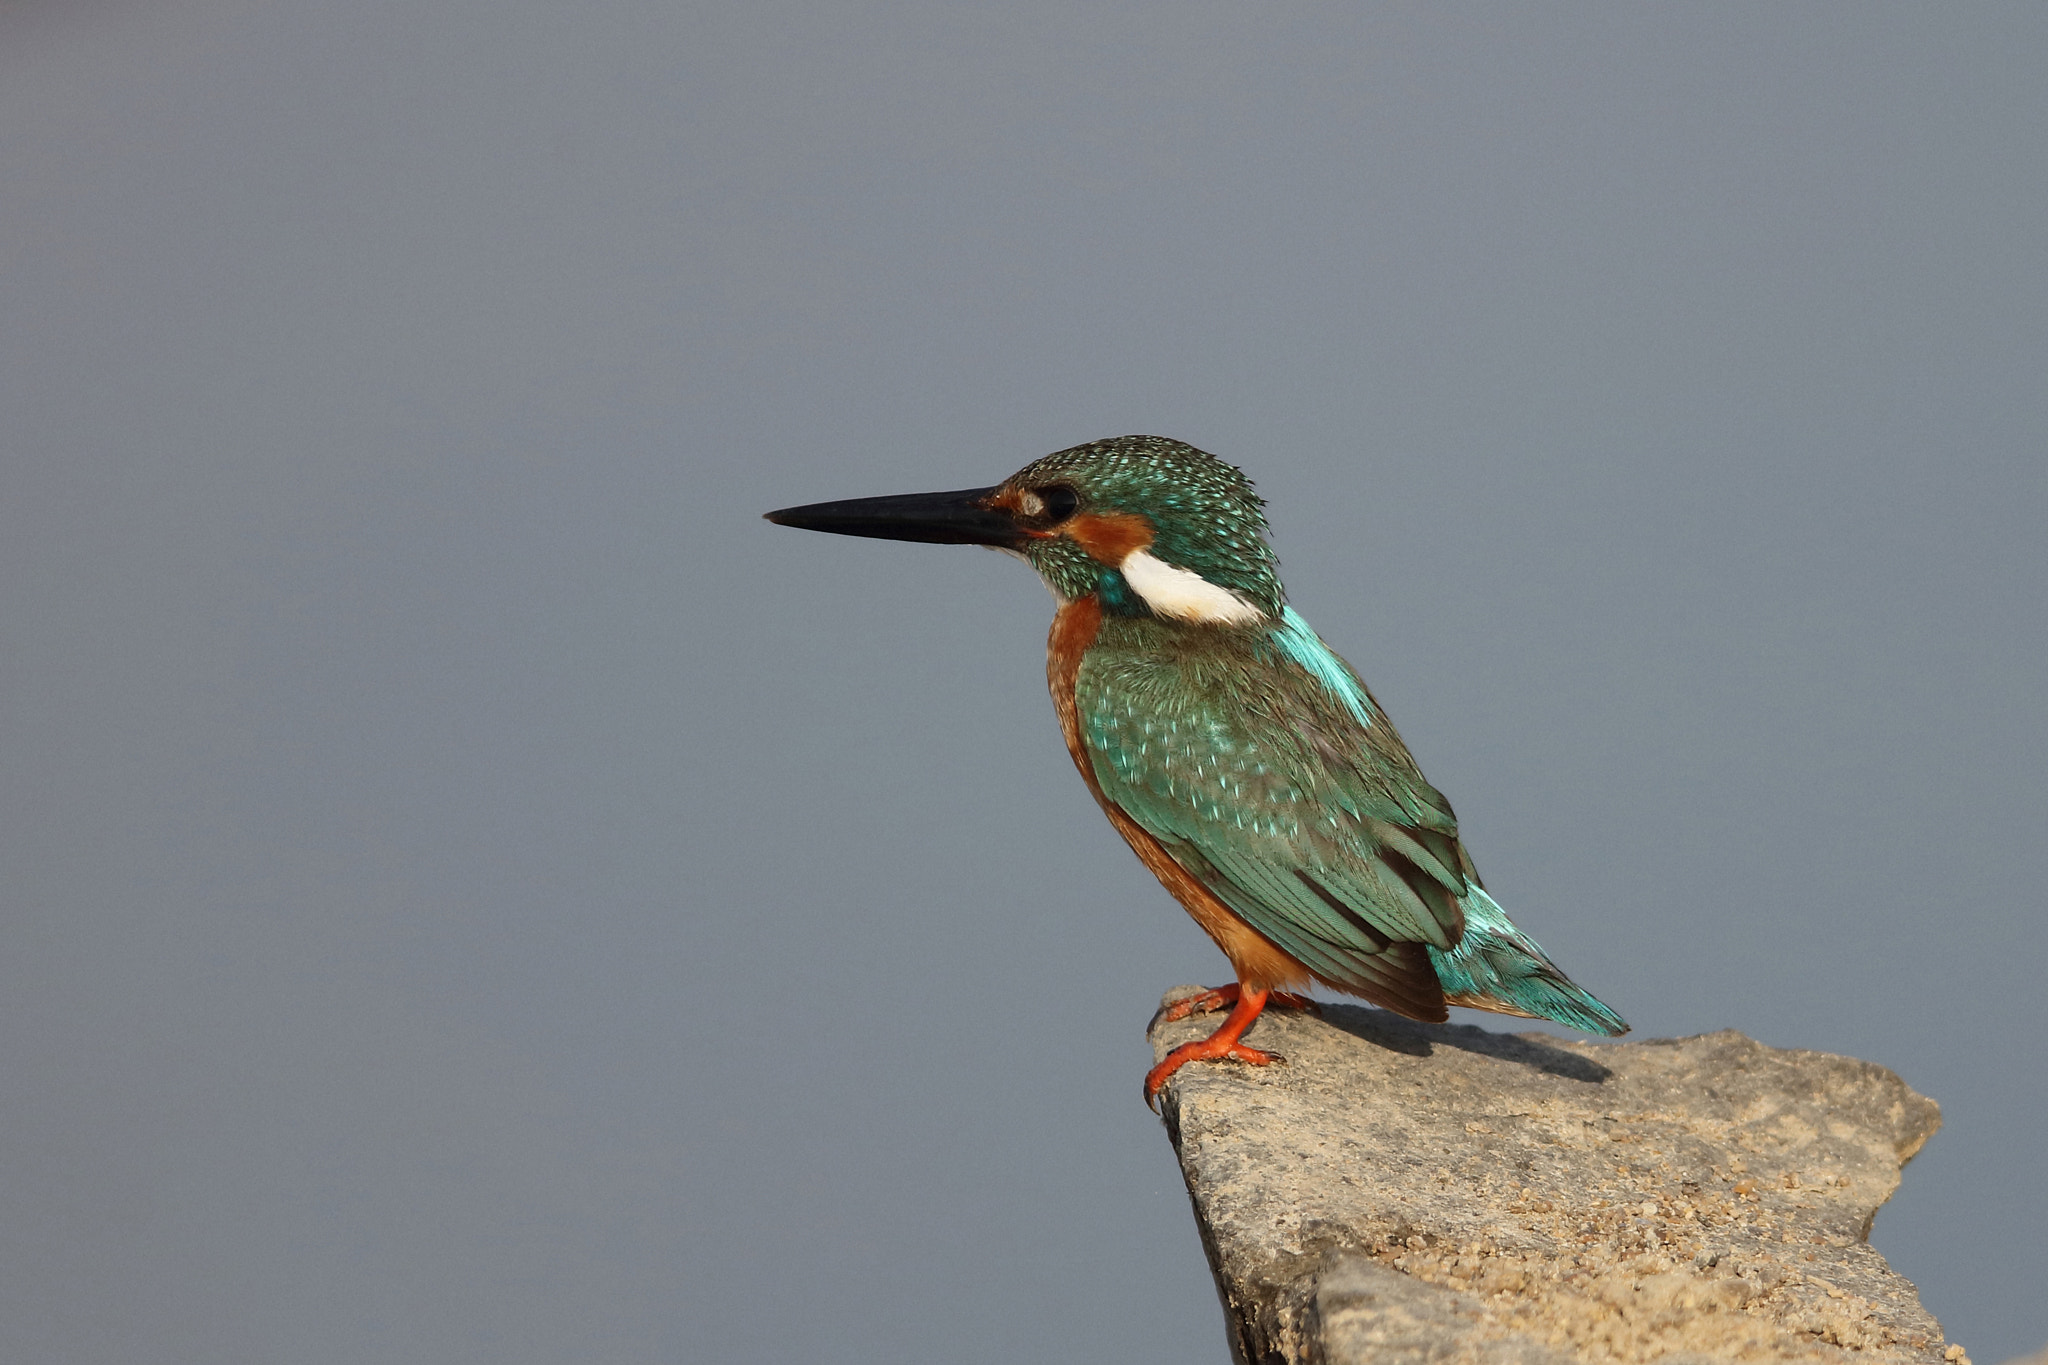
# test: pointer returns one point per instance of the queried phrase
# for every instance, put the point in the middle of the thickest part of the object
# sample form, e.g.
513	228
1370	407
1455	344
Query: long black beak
960	518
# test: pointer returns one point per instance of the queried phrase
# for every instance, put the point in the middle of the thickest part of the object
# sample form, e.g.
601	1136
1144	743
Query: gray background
474	892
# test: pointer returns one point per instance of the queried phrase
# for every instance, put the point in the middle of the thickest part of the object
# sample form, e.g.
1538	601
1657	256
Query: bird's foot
1226	997
1220	1046
1213	1049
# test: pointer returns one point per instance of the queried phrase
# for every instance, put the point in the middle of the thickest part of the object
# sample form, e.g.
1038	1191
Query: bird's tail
1498	967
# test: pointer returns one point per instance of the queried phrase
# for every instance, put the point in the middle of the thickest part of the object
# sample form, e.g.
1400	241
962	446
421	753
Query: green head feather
1205	518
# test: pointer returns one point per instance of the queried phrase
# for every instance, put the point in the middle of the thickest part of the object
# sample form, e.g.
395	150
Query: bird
1245	763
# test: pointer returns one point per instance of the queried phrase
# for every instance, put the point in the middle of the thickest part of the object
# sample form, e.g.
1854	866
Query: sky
470	890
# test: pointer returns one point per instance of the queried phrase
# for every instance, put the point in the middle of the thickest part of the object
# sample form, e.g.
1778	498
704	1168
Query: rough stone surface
1406	1192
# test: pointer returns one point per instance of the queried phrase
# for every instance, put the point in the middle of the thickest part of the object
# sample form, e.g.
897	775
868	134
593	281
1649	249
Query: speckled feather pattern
1259	778
1266	787
1204	514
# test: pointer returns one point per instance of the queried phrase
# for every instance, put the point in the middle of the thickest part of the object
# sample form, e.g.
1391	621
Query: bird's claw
1225	997
1203	1051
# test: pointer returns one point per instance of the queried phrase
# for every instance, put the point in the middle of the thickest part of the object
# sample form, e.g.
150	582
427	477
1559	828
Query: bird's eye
1052	504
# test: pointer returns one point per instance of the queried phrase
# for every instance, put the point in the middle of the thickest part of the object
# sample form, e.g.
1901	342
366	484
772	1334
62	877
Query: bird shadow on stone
1385	1029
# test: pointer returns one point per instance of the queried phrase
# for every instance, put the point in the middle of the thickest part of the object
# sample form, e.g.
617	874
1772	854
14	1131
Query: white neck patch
1184	595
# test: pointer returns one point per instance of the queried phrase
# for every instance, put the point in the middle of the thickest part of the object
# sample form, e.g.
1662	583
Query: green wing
1259	761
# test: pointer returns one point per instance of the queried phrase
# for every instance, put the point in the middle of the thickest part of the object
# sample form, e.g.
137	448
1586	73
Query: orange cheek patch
1109	536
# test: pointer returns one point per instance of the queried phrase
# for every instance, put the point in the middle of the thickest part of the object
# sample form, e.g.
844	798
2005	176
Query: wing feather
1288	796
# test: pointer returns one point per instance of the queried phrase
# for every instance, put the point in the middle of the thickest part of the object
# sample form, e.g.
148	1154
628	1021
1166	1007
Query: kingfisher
1245	763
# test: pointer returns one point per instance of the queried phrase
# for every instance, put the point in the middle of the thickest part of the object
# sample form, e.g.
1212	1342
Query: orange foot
1222	1045
1224	997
